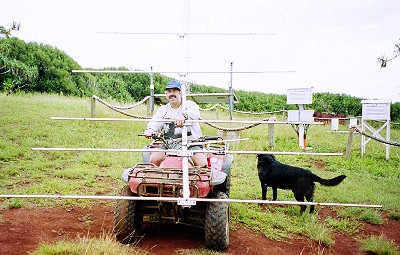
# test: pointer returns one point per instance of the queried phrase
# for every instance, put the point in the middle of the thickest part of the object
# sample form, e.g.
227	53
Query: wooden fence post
148	106
349	143
271	136
93	107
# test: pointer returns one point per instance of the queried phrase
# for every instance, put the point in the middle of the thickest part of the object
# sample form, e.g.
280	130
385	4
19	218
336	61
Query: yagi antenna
183	34
178	72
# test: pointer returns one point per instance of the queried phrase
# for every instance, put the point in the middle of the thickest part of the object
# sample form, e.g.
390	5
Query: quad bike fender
221	162
125	175
226	167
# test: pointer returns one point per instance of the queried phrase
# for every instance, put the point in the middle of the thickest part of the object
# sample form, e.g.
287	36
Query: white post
185	153
362	137
387	138
301	130
185	156
231	94
151	92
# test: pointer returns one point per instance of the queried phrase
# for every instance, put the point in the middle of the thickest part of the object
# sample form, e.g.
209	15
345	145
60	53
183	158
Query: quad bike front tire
216	225
125	226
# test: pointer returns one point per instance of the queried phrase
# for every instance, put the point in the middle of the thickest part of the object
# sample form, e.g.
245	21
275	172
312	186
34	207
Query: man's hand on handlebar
180	120
149	133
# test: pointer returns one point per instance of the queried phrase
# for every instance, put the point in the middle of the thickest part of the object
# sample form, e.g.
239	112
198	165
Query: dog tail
330	182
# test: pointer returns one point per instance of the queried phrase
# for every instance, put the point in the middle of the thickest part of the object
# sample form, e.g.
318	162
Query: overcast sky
330	45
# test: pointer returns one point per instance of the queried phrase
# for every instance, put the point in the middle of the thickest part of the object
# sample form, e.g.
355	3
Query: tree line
32	67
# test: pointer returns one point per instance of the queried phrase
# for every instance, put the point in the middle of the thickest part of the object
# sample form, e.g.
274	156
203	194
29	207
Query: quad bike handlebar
171	143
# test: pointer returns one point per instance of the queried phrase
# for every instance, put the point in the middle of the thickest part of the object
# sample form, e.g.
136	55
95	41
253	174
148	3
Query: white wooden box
353	122
293	116
307	116
334	124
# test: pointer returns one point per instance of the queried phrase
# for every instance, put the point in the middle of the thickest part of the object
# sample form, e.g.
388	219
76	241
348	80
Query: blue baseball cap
173	85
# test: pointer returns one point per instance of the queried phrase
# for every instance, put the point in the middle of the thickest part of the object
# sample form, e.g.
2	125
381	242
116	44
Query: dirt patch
319	164
22	230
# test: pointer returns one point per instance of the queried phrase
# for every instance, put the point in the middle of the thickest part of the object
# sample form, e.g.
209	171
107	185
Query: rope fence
242	112
120	109
356	129
125	107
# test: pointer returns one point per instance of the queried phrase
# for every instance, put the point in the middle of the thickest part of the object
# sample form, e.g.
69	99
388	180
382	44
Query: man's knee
200	159
157	157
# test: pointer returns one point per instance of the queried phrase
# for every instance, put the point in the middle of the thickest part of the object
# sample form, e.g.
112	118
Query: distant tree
336	104
383	60
15	75
41	68
6	32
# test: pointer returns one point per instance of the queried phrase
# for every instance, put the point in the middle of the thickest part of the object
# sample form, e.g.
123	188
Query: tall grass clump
379	245
105	244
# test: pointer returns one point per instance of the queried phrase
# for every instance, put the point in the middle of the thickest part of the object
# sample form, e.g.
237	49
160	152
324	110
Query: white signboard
375	109
299	96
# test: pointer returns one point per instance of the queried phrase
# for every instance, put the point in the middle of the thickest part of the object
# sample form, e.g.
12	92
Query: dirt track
23	229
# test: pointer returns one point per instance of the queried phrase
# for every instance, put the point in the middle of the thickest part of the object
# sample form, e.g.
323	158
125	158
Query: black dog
274	174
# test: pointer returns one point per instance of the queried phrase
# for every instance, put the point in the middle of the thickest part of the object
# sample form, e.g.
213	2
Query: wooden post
93	107
148	106
349	143
271	136
283	116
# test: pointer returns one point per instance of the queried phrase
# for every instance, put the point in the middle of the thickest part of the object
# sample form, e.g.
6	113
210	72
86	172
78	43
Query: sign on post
301	97
375	110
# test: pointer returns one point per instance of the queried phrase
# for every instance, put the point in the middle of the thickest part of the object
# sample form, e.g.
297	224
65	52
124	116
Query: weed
379	246
371	217
394	215
14	203
343	225
105	244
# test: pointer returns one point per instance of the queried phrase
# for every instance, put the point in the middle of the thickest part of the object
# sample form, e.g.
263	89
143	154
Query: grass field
25	123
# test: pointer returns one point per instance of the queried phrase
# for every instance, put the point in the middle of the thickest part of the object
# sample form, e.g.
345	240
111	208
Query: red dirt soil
22	230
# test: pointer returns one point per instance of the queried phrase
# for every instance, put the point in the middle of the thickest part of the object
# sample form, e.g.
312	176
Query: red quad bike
148	180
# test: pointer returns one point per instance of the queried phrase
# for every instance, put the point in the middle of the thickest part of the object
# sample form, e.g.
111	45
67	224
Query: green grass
379	246
25	123
89	246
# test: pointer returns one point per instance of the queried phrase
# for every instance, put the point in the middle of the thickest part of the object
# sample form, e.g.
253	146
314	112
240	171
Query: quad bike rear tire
125	226
216	225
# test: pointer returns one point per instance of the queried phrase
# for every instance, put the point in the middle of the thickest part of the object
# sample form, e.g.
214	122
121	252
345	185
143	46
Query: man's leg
199	159
157	157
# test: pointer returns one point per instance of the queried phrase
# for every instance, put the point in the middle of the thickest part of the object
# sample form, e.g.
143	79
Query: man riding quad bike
149	180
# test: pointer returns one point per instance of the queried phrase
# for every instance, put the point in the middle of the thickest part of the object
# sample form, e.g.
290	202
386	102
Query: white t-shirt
167	112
